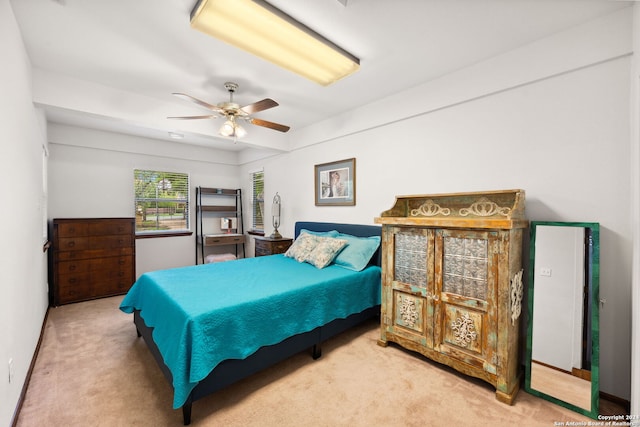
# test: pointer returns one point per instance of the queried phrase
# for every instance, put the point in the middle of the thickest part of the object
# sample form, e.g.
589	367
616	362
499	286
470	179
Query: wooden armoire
452	281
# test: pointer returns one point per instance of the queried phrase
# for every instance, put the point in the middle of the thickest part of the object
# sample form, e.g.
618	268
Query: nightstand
268	246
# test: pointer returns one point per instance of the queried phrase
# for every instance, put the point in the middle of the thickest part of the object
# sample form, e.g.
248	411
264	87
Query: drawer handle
121	262
72	280
71	244
72	267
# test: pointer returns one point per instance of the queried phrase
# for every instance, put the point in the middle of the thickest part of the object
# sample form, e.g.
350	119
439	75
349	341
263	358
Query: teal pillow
358	252
332	233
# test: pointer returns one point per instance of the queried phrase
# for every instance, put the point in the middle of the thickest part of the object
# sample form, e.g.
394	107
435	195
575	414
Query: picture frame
335	183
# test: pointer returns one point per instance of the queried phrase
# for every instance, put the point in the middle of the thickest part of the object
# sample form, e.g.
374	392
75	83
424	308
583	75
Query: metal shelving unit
218	203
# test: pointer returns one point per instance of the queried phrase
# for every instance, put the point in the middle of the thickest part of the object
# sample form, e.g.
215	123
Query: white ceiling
122	59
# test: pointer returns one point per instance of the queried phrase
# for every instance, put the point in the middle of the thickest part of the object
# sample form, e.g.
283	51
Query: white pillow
325	251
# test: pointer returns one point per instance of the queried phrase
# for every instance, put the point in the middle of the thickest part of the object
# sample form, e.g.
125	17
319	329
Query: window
161	201
257	200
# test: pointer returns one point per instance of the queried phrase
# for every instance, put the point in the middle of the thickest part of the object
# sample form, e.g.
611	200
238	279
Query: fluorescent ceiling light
263	30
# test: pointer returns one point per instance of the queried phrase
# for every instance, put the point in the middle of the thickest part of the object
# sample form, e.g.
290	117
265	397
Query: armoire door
409	286
465	294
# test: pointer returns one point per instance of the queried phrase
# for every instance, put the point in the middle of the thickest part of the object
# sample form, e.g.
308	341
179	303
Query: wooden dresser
452	281
91	258
268	246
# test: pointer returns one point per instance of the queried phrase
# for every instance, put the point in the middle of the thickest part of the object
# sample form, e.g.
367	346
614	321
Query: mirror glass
562	339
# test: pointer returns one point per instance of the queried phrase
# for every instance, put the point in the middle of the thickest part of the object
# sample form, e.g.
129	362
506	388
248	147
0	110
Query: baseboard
25	386
626	404
581	373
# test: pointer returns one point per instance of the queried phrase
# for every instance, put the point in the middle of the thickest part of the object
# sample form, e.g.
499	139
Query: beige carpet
92	370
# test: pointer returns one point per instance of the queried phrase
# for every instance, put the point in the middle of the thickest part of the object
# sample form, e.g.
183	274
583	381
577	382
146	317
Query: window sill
163	234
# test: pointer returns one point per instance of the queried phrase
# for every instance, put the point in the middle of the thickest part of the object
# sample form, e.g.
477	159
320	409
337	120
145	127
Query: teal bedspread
208	313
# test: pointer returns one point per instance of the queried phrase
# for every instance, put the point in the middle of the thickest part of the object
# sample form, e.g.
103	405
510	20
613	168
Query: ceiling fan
233	113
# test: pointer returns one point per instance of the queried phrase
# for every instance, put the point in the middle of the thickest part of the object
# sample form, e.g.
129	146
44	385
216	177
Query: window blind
161	201
257	200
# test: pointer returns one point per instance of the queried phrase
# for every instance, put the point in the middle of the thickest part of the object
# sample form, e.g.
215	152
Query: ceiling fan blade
197	101
210	116
270	125
265	104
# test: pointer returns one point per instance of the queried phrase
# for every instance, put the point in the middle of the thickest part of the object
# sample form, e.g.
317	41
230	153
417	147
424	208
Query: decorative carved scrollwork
430	208
408	311
516	296
485	207
464	330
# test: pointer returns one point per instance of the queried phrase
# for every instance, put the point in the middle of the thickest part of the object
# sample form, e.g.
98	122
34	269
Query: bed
211	325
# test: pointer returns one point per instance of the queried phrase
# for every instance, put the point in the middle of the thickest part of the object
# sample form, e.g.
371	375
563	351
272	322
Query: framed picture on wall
335	183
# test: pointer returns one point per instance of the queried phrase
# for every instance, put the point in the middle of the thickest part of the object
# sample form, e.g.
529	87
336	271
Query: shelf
223	239
210	210
219	209
218	192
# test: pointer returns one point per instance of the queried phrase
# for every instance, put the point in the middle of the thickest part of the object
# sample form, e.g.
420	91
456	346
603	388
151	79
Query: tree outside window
161	201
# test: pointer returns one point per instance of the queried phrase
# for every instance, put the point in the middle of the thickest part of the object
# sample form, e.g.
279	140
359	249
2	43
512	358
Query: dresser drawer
110	242
94	242
83	286
72	244
72	229
68	294
262	251
111	265
74	280
94	264
281	247
73	267
95	253
265	246
222	239
110	228
112	286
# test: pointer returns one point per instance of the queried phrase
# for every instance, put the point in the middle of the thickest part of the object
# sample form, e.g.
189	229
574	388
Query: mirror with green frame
563	332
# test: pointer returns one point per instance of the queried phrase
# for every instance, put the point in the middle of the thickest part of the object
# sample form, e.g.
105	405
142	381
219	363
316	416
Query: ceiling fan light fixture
265	31
227	128
240	132
232	129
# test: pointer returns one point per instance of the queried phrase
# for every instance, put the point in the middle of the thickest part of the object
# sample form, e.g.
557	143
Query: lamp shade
275	213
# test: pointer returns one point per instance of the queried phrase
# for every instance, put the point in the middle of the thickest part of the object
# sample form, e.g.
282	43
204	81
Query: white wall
22	262
551	118
97	181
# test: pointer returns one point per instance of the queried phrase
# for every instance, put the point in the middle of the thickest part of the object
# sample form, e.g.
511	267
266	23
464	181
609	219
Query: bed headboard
359	230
